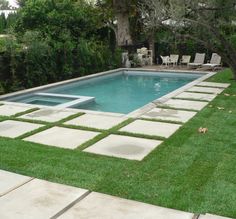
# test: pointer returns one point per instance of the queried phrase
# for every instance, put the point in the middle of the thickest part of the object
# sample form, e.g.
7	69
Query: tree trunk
151	42
123	30
233	69
121	8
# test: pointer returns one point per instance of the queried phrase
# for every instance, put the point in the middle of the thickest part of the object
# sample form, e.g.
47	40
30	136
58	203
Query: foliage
6	23
2	23
56	40
4	5
209	23
168	43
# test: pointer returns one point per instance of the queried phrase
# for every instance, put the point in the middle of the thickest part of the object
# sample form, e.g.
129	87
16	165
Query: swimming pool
122	91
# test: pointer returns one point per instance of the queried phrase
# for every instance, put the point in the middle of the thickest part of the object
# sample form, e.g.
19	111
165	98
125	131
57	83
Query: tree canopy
4	5
209	22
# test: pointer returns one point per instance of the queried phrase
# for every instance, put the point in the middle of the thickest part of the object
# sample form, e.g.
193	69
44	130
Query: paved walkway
23	197
133	139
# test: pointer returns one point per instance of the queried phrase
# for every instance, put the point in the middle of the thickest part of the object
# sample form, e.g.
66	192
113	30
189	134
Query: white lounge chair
165	60
185	60
198	61
214	62
174	59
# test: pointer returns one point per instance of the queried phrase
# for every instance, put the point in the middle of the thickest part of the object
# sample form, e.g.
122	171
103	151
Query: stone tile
124	147
38	199
13	129
48	115
213	84
10	110
196	96
161	129
101	206
211	216
212	90
10	181
185	104
169	114
62	137
96	121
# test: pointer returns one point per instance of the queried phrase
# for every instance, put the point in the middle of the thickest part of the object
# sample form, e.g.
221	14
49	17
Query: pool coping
134	114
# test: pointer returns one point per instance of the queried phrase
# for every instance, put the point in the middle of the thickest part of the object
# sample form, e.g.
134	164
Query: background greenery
51	41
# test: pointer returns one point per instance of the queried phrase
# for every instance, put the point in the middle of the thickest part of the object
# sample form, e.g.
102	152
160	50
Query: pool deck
48	200
133	137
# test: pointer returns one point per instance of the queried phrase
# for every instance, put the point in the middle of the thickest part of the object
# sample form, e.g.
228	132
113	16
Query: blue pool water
122	92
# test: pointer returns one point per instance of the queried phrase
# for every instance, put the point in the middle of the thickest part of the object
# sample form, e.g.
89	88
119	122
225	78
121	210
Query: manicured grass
189	171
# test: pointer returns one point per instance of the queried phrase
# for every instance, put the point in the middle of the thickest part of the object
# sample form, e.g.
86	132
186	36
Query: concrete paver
96	121
13	129
10	181
101	206
10	110
62	137
212	90
124	147
38	199
169	115
161	129
48	115
196	96
184	104
213	84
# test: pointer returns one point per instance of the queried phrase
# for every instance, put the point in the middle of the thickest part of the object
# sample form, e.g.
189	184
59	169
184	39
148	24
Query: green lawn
190	171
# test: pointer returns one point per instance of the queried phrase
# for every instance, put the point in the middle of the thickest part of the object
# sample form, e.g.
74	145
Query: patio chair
198	61
174	59
185	60
214	62
165	60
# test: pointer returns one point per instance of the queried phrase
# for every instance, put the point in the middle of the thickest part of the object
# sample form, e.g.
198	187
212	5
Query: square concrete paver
184	104
38	199
169	114
101	206
124	147
10	181
161	129
62	137
48	115
196	96
13	129
212	90
213	84
96	121
10	110
211	216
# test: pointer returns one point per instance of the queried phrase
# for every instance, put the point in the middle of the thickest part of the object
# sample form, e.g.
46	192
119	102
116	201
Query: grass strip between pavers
163	106
47	125
201	92
161	120
189	171
26	112
182	98
104	134
138	135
